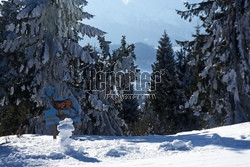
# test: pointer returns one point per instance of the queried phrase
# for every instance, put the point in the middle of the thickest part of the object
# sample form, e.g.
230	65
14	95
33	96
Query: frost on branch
230	80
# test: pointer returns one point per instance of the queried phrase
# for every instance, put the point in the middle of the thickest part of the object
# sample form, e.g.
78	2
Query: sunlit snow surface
225	146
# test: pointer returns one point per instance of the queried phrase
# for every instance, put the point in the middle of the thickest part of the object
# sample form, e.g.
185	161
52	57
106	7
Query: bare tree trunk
54	131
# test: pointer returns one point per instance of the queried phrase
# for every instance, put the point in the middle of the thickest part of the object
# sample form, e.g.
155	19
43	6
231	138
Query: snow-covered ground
225	146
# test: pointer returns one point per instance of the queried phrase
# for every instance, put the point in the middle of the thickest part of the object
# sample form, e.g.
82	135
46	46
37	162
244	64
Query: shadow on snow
81	156
197	140
11	156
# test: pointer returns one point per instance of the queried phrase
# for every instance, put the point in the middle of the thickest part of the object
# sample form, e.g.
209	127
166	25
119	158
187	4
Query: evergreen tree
184	77
165	102
221	62
39	47
130	111
181	72
123	61
100	115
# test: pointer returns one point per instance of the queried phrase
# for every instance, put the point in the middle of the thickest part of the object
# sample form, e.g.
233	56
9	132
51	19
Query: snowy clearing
225	146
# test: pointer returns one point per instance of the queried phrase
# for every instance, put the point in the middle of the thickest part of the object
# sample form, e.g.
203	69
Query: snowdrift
225	146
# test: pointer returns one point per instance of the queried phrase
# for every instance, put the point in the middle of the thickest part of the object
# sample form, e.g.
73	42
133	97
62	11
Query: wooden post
54	131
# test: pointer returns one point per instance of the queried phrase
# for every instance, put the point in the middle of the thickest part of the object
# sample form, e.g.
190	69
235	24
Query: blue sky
140	20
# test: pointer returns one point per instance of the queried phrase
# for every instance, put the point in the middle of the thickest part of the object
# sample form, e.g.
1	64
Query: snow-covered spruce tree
101	107
130	107
122	63
41	38
185	120
100	115
221	57
15	106
165	102
192	72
